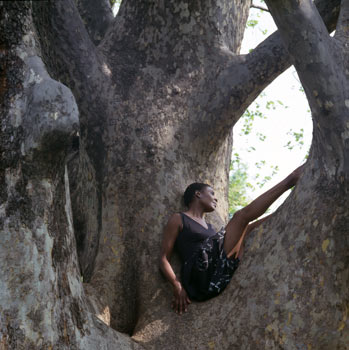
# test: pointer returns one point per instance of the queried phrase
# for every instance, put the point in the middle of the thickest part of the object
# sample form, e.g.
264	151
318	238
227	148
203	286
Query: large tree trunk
157	99
43	305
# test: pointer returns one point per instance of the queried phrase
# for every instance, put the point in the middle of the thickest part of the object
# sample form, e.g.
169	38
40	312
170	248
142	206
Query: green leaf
251	23
297	139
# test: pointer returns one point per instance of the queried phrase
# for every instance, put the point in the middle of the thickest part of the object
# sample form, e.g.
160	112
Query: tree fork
267	61
97	16
117	48
342	32
149	116
260	67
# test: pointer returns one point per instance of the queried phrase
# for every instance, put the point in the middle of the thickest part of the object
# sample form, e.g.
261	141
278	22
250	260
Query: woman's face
208	199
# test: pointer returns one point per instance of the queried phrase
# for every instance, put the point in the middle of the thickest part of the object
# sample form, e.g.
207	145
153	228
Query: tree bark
43	305
97	16
157	100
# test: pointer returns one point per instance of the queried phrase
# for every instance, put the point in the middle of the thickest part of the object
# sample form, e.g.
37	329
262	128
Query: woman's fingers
180	303
181	306
185	302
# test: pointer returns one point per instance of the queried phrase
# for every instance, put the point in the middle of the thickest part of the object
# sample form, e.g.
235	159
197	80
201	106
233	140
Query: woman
209	258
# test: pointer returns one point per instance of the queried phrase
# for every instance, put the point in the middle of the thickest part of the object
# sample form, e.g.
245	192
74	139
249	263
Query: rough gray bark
97	16
157	100
43	305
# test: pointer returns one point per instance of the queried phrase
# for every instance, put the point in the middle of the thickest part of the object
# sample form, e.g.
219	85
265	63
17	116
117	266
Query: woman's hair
190	192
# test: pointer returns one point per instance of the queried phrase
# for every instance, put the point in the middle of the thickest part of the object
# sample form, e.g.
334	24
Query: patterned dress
206	269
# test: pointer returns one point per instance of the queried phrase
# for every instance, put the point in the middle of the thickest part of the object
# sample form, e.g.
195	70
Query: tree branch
307	39
63	32
321	68
260	67
259	8
270	58
71	55
72	58
37	197
265	63
342	30
97	16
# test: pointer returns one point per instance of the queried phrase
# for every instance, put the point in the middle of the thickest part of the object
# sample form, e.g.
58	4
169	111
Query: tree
120	120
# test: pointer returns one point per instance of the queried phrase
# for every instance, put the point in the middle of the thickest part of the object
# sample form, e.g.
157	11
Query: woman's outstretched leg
237	225
238	249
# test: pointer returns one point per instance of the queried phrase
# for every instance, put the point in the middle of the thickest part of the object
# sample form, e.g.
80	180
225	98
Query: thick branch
265	63
271	58
38	118
307	39
97	16
63	33
79	67
259	68
342	31
72	58
321	69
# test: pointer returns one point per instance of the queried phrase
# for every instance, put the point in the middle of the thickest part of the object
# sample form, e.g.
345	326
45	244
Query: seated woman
209	259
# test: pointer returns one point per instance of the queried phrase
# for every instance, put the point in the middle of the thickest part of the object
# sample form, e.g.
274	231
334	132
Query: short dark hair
190	191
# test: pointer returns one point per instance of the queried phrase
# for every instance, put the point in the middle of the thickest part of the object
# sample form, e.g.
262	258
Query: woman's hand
171	231
181	299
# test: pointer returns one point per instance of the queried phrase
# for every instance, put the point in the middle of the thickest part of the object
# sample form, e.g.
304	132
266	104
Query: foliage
298	139
115	5
241	183
253	20
114	2
238	184
252	23
248	118
266	178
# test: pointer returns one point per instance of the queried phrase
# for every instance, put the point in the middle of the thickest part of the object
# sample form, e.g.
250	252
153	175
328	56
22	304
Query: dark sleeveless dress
206	270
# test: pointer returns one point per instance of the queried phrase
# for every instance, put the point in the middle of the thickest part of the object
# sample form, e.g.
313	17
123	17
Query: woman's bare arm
171	231
174	225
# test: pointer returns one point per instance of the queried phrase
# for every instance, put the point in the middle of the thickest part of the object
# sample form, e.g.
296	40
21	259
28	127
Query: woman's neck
196	212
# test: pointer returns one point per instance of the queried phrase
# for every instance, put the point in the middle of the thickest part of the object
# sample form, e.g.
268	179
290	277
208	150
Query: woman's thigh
234	231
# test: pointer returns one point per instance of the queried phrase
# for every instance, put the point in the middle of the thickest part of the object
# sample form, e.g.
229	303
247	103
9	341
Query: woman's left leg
239	248
238	224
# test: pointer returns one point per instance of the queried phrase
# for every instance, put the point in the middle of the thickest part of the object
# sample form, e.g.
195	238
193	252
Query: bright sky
286	88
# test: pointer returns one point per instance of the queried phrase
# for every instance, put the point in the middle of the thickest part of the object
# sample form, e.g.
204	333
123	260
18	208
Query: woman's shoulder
176	216
176	220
